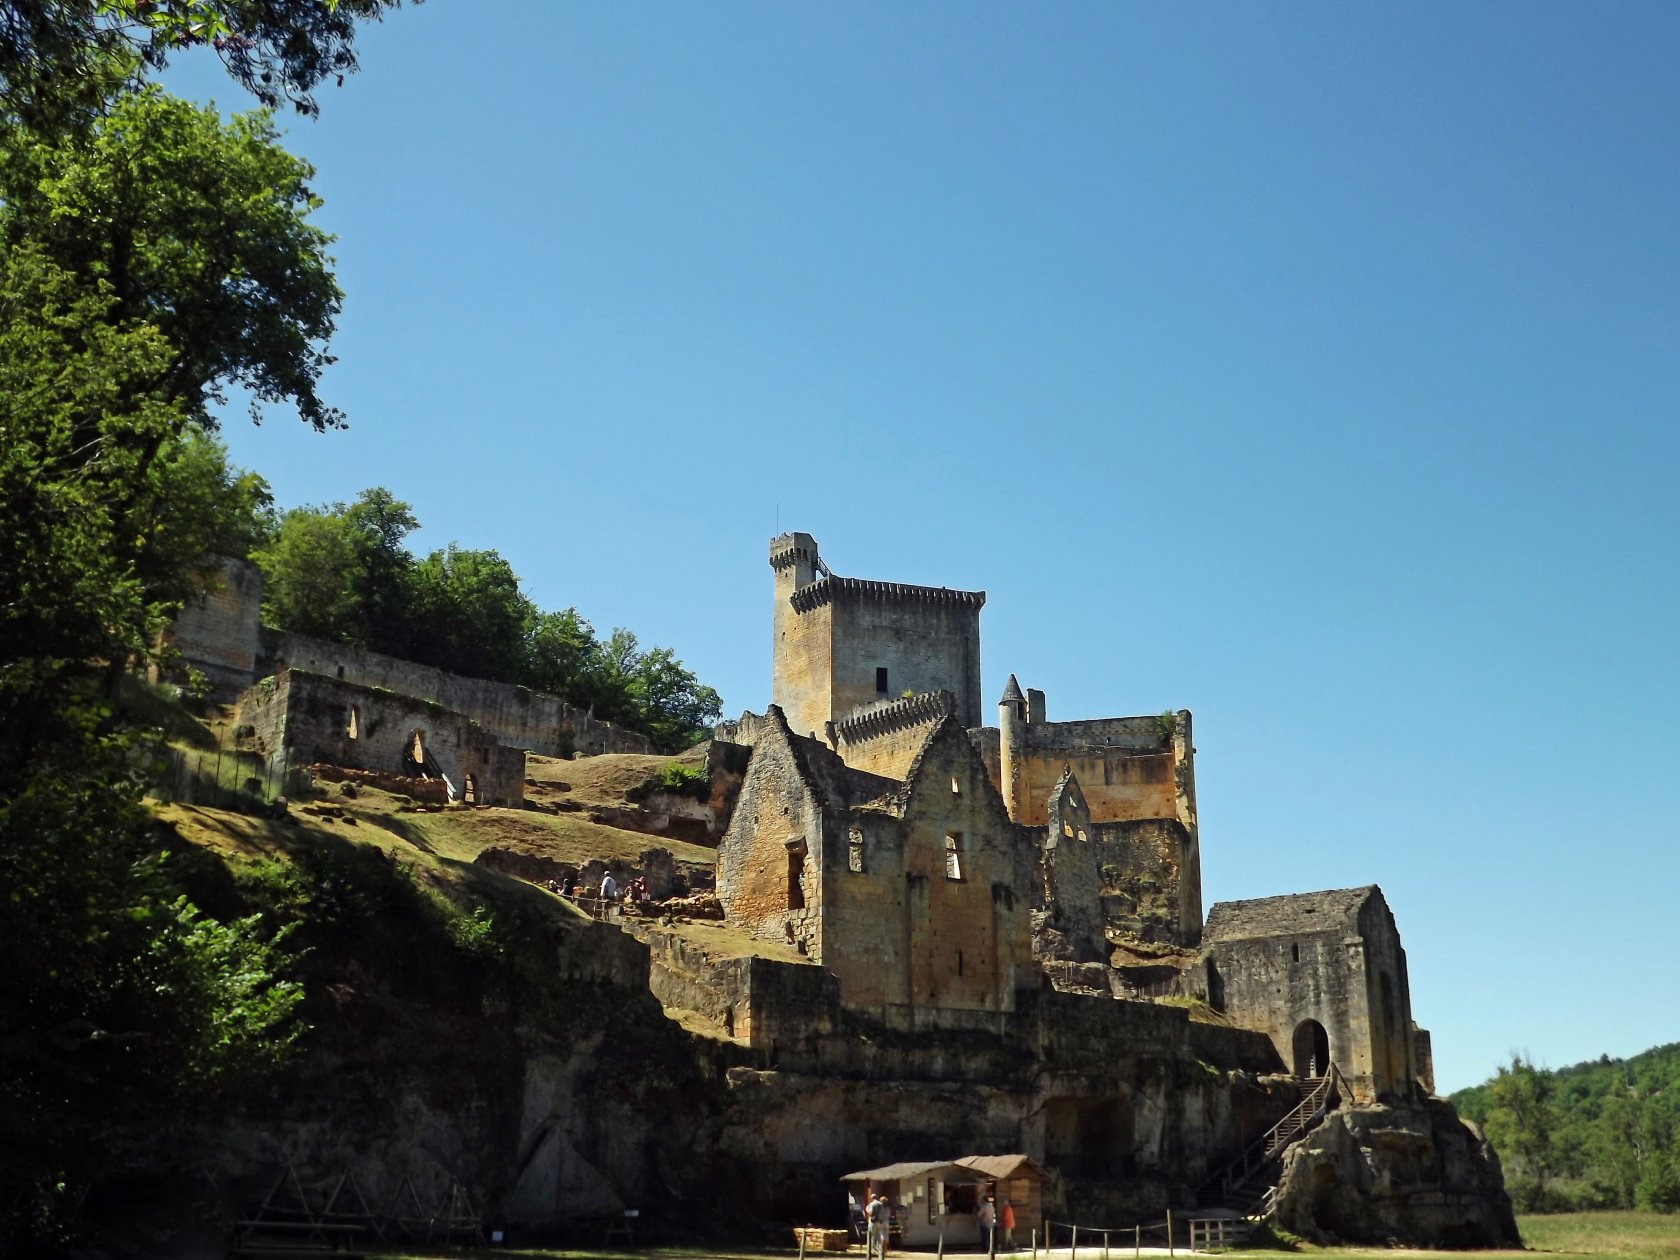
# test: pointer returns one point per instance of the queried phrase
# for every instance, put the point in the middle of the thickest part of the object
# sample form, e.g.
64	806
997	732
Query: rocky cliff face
1412	1173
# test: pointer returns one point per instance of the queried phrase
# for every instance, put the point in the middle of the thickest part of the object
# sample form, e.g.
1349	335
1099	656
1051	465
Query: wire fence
1193	1231
227	777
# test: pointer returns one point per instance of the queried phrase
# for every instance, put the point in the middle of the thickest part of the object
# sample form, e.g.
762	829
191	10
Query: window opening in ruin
795	876
1295	952
956	788
469	792
854	850
959	962
953	855
1082	835
1067	830
353	724
1312	1049
416	760
881	680
341	672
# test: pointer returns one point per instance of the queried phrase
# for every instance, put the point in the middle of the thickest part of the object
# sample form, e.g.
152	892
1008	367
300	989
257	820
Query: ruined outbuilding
1323	975
300	718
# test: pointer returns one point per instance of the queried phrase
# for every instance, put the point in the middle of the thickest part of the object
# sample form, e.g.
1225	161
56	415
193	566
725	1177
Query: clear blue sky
1311	367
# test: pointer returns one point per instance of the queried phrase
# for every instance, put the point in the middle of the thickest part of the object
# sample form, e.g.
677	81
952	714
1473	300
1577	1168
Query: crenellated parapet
894	716
829	588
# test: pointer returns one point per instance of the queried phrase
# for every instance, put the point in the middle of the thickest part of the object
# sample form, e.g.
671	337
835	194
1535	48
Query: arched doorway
1312	1049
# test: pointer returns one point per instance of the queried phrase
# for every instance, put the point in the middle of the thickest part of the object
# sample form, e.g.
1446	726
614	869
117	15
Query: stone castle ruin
960	937
1021	888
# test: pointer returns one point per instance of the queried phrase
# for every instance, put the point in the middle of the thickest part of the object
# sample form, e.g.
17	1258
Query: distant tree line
1602	1134
343	572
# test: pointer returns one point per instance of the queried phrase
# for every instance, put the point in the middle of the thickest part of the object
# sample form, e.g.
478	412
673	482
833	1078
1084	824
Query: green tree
74	423
379	522
1519	1124
675	708
310	570
200	229
123	1010
342	573
149	260
61	59
198	505
469	615
561	650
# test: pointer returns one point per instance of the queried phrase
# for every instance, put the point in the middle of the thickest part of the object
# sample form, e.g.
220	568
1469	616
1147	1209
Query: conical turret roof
1012	692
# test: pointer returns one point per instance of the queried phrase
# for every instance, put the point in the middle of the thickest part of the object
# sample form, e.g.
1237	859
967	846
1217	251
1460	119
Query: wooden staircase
1245	1187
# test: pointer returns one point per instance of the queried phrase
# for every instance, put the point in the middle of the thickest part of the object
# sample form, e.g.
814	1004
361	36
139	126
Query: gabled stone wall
1332	959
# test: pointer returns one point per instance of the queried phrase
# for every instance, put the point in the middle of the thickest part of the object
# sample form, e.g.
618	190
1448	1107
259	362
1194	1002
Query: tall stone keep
844	645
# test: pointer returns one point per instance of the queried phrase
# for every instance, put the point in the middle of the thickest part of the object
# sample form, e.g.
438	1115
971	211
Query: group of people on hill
608	893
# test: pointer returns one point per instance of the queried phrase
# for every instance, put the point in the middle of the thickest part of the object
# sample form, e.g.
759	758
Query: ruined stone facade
909	891
1323	975
216	633
220	635
303	718
517	716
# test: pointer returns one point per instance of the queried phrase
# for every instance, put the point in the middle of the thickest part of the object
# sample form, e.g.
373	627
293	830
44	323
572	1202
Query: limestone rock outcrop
1408	1173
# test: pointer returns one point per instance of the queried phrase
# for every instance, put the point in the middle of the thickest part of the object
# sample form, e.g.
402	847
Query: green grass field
1572	1236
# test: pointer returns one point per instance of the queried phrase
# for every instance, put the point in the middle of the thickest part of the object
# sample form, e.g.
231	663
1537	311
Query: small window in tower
953	855
1295	952
352	724
956	788
881	680
854	850
1067	829
959	962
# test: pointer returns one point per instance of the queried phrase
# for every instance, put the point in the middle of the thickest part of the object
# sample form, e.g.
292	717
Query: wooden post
1073	1253
1035	1242
941	1238
1105	1244
1137	1242
1169	1232
801	1245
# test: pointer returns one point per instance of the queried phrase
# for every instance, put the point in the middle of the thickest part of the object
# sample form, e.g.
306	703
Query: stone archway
1312	1049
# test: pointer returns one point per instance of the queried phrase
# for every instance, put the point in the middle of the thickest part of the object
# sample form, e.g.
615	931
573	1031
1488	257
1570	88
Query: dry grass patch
719	940
605	780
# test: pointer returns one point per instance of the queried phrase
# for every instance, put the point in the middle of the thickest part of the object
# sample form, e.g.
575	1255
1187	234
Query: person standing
880	1224
609	892
988	1222
1007	1220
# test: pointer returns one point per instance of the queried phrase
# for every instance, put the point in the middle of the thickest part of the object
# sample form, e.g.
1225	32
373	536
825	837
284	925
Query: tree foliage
341	572
1604	1134
195	226
61	59
123	1009
154	255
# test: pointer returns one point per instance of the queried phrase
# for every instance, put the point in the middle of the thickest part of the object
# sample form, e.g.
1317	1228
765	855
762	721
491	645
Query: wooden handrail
1265	1149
